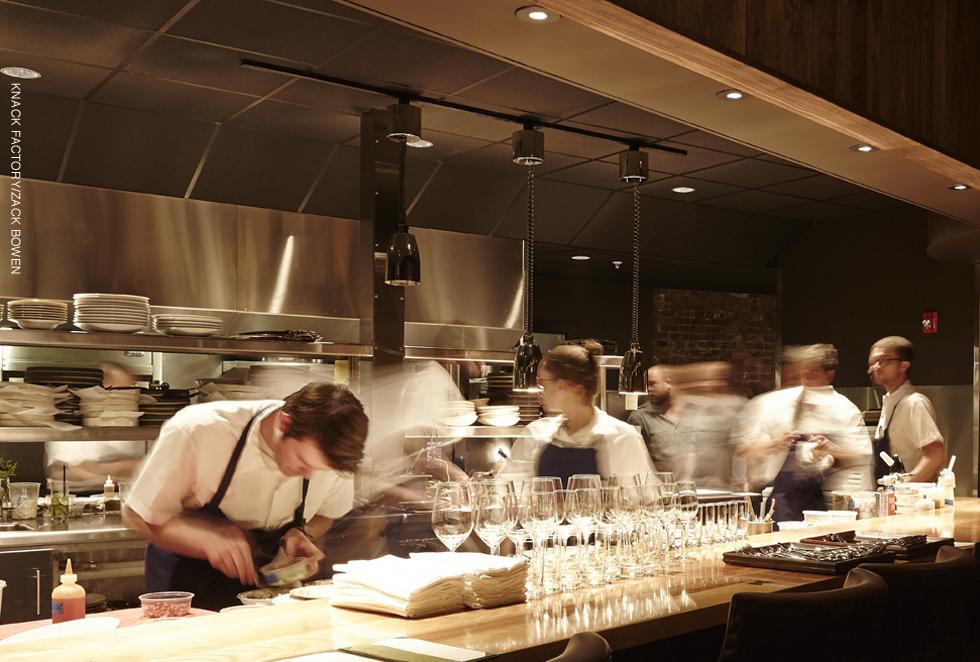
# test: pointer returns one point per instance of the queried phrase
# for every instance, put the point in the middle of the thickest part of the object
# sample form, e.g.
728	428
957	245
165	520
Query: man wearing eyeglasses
907	426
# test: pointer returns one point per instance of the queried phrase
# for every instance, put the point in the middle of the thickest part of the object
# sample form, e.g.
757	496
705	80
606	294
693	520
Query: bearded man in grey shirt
657	419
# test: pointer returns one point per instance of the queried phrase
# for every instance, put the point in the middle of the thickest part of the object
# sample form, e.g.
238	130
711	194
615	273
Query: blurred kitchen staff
227	483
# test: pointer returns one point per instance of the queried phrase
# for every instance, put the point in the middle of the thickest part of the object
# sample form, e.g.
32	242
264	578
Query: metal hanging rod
404	96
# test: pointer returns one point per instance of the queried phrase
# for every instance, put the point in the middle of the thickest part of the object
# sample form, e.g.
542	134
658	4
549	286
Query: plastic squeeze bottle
109	497
67	598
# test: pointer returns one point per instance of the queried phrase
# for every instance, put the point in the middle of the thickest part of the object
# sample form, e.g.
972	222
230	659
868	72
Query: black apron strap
884	444
212	506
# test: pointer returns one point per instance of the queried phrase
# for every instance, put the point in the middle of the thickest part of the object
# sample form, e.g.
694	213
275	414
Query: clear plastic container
166	604
23	500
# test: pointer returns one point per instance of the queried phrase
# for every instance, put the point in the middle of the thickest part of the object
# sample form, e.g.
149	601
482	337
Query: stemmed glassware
495	517
687	510
452	515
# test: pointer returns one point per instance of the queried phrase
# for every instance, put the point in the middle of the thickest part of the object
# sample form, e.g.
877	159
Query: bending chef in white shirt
227	483
583	439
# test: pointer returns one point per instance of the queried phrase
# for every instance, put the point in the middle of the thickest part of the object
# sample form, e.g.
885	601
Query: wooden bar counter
628	613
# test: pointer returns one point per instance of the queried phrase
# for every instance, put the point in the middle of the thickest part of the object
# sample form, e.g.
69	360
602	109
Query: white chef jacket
190	456
911	426
619	447
822	410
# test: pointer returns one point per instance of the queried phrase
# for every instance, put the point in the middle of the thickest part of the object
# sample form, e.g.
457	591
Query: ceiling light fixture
683	189
581	258
403	263
20	72
535	14
731	95
864	148
958	187
528	151
405	124
633	169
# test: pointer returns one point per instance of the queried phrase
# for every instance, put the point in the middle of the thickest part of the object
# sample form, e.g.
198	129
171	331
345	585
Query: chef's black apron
794	489
166	571
566	462
883	443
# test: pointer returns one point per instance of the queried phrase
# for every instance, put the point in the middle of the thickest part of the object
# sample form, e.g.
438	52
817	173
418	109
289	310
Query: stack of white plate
113	313
31	405
457	413
38	313
187	325
499	415
102	407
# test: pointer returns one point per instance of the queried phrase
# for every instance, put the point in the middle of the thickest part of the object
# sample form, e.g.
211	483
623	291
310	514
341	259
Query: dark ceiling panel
625	119
752	173
177	99
522	91
149	15
591	173
753	201
818	187
210	66
465	124
818	211
661	187
260	169
871	200
336	10
561	210
271	29
47	123
333	97
695	235
59	78
404	59
707	140
300	121
576	145
499	157
612	226
466	200
338	192
134	150
55	35
757	240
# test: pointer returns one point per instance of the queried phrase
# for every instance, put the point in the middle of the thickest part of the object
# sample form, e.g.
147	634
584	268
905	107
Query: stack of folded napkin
428	584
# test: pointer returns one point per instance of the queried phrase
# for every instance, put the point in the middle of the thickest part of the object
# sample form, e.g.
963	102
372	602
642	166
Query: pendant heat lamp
632	372
403	264
528	151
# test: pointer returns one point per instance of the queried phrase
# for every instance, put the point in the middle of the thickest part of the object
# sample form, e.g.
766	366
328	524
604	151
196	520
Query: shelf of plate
138	433
471	432
156	342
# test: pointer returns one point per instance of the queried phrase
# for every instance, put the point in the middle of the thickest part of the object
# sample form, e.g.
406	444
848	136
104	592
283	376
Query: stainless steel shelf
153	342
449	354
472	432
138	433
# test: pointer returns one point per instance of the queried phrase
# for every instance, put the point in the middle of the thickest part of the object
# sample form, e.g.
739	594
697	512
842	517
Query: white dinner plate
110	328
122	297
314	592
68	628
37	324
184	331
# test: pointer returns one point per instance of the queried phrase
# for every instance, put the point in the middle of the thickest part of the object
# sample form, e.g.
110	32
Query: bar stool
843	623
585	647
931	609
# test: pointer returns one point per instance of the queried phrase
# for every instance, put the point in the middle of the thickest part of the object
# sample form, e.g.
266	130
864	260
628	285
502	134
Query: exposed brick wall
693	325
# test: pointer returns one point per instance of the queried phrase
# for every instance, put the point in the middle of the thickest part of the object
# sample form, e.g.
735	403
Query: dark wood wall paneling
910	65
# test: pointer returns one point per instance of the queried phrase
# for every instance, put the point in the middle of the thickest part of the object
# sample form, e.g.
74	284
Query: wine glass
452	517
494	518
584	481
687	509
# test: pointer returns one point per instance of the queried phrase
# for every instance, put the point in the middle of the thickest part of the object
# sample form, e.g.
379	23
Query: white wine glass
494	518
687	510
452	516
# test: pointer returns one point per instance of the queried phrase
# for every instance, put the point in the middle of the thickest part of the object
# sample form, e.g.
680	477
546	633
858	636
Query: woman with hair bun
583	439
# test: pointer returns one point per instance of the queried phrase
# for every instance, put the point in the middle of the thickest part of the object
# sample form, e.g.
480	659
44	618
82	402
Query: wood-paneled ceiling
150	96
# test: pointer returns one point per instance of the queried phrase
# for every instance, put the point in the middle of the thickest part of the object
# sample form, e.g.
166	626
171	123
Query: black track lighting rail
403	96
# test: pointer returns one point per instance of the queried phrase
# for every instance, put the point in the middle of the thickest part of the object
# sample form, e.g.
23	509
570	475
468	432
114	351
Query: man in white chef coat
907	426
228	483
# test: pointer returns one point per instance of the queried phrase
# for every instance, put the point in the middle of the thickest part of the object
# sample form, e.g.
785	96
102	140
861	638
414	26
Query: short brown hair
902	347
575	362
822	353
334	417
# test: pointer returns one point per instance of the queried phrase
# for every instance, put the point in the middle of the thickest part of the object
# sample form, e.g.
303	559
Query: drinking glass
452	516
662	476
687	509
517	533
584	481
494	518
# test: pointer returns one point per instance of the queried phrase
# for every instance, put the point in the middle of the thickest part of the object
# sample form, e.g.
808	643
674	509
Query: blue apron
166	571
794	489
566	462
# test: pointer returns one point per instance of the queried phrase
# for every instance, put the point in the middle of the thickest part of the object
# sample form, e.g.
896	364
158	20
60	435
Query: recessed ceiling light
683	189
959	187
862	147
581	258
536	14
731	95
20	72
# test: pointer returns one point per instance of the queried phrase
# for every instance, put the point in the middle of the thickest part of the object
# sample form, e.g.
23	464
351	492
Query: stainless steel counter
86	529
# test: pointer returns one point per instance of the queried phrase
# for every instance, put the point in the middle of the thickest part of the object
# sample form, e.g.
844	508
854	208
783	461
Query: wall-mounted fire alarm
930	322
